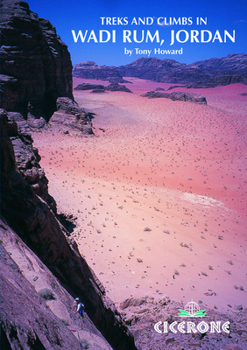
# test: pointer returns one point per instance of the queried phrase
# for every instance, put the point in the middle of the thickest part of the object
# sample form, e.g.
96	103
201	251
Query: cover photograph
123	175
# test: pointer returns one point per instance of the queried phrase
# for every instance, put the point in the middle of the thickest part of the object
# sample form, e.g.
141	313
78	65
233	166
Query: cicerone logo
192	309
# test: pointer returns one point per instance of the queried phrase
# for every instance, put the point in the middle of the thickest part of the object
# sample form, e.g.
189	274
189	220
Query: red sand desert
159	192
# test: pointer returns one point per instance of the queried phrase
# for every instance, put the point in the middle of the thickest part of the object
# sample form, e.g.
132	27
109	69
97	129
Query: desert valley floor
159	193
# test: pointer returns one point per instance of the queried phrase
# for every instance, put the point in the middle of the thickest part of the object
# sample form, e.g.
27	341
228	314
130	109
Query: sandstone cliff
36	67
35	223
41	315
36	81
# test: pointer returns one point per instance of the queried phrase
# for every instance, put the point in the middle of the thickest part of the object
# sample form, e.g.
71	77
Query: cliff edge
36	81
36	67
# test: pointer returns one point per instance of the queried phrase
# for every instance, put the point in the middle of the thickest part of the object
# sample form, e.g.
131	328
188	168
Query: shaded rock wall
35	64
30	324
33	220
49	321
26	159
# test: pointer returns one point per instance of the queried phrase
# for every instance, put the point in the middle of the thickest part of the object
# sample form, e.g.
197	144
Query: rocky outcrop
90	70
213	72
36	67
117	87
101	88
85	86
71	119
27	160
177	96
35	223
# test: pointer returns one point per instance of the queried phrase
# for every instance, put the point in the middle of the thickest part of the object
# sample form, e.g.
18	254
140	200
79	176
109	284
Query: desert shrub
47	294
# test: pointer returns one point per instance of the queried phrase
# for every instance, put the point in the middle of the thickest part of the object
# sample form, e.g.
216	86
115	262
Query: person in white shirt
78	307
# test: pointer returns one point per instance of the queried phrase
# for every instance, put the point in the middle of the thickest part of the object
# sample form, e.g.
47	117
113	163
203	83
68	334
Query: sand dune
159	193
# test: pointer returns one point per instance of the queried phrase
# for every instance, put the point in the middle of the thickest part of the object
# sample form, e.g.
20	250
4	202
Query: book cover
155	192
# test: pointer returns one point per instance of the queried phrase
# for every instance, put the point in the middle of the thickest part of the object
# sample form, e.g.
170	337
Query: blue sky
85	15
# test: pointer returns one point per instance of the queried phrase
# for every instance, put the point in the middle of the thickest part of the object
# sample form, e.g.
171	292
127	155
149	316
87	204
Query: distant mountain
233	63
207	73
90	70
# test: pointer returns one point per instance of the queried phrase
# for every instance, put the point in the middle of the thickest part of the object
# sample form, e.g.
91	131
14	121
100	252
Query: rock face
35	223
36	67
45	320
36	81
16	330
209	73
27	160
70	118
177	96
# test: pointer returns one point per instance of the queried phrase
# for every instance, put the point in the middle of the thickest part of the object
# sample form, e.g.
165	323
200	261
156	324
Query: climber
78	307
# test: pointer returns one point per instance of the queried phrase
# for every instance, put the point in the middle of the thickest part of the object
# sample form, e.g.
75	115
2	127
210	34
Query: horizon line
161	59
